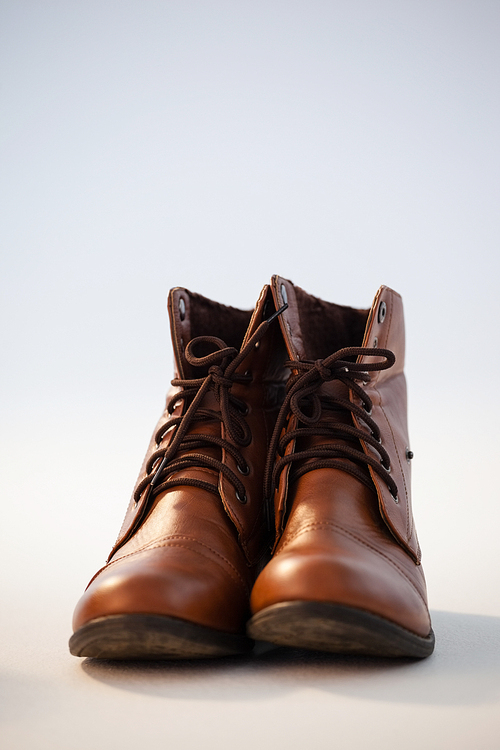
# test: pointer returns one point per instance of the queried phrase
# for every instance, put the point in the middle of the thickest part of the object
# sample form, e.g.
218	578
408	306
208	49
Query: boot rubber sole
340	630
138	636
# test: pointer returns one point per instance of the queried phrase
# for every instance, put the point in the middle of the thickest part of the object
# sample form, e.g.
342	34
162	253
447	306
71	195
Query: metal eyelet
395	498
182	308
245	471
409	455
241	500
375	342
382	310
284	295
244	410
368	412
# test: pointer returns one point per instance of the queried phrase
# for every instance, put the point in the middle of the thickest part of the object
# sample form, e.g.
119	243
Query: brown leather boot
178	580
345	575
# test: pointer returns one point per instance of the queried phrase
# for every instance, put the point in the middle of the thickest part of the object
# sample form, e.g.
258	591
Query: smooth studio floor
58	527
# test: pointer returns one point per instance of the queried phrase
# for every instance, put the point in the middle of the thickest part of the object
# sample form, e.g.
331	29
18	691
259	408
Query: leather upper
337	539
188	552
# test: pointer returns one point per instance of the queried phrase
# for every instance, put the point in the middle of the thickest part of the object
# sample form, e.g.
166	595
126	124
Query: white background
210	144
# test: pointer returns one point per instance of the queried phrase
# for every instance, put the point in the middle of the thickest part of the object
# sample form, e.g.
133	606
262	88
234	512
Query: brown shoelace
167	460
308	406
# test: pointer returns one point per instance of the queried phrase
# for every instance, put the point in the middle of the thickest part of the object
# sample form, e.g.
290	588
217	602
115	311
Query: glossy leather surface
190	553
337	540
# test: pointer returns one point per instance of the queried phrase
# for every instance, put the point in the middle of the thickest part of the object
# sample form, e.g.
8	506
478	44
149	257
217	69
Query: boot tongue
313	329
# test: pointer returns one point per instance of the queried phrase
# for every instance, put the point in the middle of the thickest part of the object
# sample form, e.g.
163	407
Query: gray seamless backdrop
210	144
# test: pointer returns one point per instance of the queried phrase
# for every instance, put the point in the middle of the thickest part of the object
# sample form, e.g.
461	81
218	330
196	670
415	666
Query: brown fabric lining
327	327
209	318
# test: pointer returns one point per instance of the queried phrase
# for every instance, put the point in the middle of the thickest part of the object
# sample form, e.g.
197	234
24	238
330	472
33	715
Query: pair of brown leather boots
274	500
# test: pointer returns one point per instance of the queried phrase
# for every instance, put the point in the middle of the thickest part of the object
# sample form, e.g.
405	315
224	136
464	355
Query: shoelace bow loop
222	364
304	401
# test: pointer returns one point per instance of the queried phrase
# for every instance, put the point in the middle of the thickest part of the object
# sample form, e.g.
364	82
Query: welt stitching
341	530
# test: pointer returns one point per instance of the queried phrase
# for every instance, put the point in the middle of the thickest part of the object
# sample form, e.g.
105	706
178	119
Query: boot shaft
253	392
314	329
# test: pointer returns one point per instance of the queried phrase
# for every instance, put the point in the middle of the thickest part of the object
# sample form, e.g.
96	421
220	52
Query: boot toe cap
342	570
176	581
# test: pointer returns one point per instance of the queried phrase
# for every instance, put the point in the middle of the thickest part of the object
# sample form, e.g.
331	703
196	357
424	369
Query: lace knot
165	465
324	372
217	374
340	447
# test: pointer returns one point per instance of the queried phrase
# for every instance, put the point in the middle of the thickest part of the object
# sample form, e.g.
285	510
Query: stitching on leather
390	319
292	424
408	534
292	340
132	508
256	524
125	528
239	522
399	460
341	530
158	543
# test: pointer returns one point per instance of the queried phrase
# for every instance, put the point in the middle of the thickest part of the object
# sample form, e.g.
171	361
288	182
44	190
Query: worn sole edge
143	636
338	629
